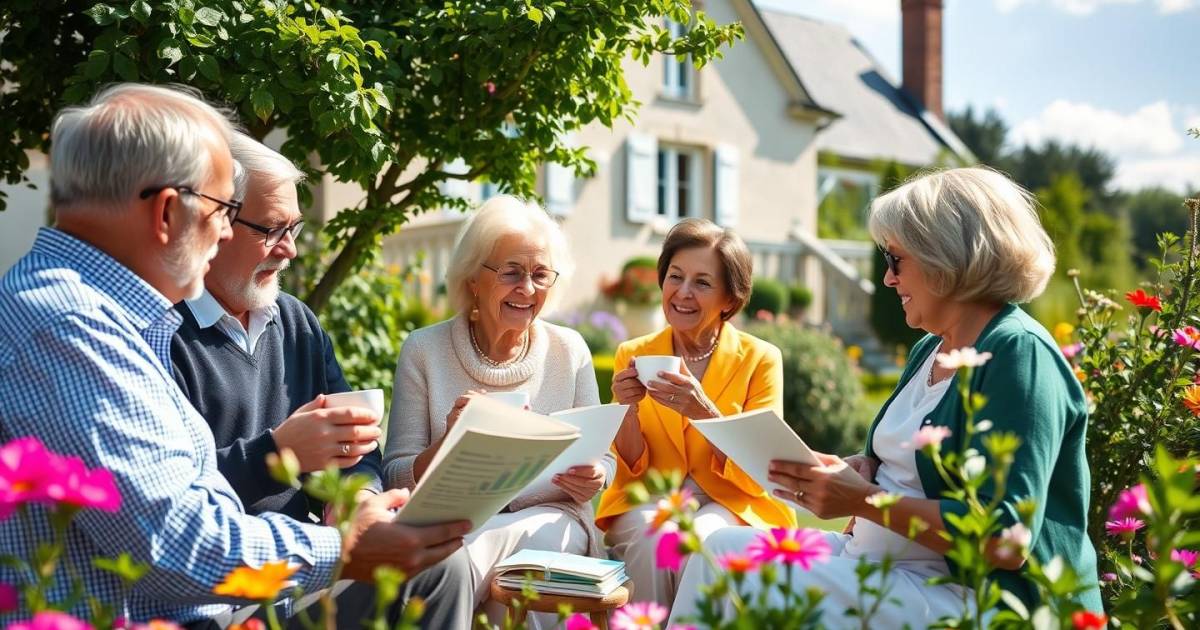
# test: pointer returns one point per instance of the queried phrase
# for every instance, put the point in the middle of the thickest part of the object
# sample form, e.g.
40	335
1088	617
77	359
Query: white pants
540	527
916	603
628	541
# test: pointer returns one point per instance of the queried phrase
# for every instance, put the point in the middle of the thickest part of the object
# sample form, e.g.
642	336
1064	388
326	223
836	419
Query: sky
1122	76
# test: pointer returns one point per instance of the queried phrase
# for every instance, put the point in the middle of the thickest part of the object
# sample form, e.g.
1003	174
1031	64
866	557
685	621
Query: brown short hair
735	257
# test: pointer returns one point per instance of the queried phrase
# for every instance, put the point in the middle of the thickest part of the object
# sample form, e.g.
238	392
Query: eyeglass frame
892	261
232	207
294	230
525	274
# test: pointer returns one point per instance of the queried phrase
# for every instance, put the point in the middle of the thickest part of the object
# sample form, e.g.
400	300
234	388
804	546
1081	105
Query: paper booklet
752	439
597	426
493	451
561	566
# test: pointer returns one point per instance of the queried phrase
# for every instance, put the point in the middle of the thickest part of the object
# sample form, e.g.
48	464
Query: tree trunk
340	268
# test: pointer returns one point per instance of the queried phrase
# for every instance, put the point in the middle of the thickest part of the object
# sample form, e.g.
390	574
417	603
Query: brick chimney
922	56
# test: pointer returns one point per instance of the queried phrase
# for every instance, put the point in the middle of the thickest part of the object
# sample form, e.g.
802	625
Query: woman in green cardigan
962	246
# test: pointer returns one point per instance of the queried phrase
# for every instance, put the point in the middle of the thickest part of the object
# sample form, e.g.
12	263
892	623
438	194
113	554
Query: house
755	141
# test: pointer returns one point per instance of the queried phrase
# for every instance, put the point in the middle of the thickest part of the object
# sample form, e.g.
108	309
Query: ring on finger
799	494
345	449
672	399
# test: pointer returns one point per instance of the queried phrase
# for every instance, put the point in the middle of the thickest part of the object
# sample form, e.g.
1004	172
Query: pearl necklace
489	360
711	349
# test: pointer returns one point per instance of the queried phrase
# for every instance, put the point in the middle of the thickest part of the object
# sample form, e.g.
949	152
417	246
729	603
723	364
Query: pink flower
678	627
1108	578
9	598
490	87
1186	557
804	547
671	551
928	436
1187	337
24	471
639	616
1131	503
74	484
737	563
1071	350
51	620
1124	527
763	315
580	621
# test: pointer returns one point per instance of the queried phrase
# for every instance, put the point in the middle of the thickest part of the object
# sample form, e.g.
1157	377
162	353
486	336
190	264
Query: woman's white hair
975	233
129	137
262	163
498	217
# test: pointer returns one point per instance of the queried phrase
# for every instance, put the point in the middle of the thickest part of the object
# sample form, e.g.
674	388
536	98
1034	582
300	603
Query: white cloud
1179	173
1087	7
1147	132
1174	6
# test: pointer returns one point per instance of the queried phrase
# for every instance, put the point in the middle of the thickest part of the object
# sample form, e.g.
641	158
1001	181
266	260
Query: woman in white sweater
508	259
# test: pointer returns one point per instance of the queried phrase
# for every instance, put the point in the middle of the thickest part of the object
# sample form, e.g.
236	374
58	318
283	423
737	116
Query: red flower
1141	299
1088	620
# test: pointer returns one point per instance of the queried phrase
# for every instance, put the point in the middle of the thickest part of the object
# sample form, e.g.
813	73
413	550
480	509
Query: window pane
662	183
683	164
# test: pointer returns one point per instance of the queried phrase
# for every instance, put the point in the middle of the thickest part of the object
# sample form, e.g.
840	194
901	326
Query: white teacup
649	366
515	399
371	399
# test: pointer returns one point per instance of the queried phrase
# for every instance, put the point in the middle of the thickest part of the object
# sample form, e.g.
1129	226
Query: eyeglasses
231	208
515	274
274	234
892	260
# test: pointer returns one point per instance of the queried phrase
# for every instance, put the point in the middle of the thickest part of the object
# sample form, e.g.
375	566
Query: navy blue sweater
242	397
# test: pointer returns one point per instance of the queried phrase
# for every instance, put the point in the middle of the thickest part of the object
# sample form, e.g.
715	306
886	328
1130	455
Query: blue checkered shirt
85	367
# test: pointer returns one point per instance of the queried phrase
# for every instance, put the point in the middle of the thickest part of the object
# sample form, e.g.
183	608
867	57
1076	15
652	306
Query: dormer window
679	79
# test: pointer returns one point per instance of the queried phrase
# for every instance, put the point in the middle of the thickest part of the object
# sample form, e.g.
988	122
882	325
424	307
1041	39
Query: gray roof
879	121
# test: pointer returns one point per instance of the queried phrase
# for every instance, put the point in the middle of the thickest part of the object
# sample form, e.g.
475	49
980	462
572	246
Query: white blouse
898	474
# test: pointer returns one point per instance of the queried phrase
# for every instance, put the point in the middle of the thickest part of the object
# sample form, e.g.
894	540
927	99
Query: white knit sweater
438	364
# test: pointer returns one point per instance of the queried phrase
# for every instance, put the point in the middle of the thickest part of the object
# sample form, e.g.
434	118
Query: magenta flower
1187	337
804	547
9	598
1186	557
580	621
639	616
928	436
1131	503
51	620
671	551
1124	527
1070	351
25	468
74	484
1108	578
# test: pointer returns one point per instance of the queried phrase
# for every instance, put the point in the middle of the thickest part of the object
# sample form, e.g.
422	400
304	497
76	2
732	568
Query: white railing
429	242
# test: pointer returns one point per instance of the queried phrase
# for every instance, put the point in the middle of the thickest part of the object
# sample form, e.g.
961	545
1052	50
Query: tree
1061	208
985	136
1037	167
396	97
887	314
1151	212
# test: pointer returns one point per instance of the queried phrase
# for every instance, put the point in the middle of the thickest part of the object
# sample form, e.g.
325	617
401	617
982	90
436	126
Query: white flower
883	500
983	425
1014	541
974	466
962	357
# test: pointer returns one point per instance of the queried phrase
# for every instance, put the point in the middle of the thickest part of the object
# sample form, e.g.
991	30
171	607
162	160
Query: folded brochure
752	439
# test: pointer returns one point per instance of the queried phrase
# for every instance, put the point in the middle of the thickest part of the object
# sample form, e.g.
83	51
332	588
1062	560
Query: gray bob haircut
498	217
975	233
260	162
129	137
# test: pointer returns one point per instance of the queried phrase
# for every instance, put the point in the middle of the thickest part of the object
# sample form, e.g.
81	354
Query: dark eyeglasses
515	274
274	234
892	260
231	208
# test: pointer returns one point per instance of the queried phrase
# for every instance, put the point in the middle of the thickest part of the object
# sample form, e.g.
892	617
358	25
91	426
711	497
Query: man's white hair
262	163
130	137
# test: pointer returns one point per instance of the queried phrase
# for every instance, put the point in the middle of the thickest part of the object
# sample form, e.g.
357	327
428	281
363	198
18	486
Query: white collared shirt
208	312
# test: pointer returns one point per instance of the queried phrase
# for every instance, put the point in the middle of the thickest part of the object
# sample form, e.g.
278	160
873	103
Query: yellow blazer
744	373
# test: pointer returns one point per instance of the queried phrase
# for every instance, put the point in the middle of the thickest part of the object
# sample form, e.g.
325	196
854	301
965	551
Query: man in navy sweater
257	366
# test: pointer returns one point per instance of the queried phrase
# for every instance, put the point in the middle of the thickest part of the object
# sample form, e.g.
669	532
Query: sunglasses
892	261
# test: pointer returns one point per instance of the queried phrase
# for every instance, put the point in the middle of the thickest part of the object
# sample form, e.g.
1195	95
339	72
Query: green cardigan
1031	391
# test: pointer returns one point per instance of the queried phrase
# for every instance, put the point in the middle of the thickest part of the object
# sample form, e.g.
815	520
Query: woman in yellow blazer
705	275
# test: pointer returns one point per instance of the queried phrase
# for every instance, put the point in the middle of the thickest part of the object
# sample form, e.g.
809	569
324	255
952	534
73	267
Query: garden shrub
604	366
800	298
767	295
823	399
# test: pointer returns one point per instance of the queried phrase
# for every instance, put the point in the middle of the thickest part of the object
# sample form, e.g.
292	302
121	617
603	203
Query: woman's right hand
863	465
459	404
627	389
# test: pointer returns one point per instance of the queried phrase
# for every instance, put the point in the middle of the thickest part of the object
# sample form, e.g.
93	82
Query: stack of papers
557	573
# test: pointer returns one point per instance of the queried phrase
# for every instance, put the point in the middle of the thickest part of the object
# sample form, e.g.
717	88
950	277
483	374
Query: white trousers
915	603
628	541
539	527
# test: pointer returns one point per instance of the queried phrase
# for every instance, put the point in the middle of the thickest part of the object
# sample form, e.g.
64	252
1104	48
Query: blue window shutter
725	183
641	177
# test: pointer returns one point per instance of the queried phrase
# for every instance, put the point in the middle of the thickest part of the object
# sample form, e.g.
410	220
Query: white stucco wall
26	212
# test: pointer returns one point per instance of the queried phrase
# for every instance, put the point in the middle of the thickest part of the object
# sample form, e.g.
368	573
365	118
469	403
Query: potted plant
636	295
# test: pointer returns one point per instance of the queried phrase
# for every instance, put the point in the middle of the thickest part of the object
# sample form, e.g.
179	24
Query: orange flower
257	584
1141	299
1191	399
1080	374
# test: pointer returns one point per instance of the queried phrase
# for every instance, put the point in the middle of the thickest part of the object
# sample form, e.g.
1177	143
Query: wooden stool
595	609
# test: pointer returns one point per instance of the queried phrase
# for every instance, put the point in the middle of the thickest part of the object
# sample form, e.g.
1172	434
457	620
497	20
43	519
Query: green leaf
170	51
102	14
96	64
263	103
141	11
125	67
209	16
534	15
208	68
